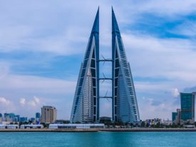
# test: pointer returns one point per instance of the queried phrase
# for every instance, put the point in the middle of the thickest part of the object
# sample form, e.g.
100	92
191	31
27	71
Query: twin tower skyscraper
86	104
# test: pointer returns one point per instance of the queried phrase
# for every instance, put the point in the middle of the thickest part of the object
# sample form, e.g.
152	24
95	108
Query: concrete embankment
149	129
104	130
49	130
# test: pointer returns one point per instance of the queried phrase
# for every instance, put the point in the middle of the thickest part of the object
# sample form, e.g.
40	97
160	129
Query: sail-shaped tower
124	104
86	103
124	107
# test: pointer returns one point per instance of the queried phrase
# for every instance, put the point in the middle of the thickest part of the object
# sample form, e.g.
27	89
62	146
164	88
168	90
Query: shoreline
104	130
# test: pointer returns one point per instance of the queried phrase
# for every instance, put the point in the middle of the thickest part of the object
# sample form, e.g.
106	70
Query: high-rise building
125	107
187	106
48	114
86	102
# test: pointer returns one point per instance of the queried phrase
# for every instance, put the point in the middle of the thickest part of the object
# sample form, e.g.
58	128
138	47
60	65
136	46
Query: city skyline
40	40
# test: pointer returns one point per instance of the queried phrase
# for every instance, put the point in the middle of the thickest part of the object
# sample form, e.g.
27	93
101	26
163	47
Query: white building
31	126
75	126
8	126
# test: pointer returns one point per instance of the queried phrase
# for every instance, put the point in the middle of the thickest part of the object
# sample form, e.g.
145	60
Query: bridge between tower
105	78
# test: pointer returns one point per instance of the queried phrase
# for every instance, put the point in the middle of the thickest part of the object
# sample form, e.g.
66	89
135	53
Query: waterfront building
1	118
9	126
125	107
17	118
176	116
76	126
23	119
105	120
86	102
32	120
31	126
48	114
37	117
9	117
187	106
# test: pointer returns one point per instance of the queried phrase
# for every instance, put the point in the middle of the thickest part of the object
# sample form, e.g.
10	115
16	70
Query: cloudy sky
42	44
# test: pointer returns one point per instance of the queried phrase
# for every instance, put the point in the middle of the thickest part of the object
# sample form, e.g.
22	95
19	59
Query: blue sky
42	44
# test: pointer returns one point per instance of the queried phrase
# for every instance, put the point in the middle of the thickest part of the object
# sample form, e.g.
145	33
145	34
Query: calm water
99	139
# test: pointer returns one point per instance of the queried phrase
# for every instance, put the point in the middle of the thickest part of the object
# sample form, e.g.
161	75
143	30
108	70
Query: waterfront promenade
104	130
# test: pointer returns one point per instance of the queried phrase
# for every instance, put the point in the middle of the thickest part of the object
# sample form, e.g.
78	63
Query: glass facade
125	107
174	116
187	106
37	115
86	100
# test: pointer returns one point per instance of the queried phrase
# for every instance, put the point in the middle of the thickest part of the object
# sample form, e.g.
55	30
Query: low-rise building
31	126
75	126
9	126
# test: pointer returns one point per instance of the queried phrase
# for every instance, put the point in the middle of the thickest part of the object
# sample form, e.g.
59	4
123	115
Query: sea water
98	139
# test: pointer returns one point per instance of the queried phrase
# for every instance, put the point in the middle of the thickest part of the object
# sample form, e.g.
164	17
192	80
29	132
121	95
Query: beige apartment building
48	114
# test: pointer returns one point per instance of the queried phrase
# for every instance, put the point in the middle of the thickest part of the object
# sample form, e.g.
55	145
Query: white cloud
30	105
7	105
188	28
48	91
22	101
157	108
175	92
37	84
4	101
30	102
46	27
165	58
37	100
168	8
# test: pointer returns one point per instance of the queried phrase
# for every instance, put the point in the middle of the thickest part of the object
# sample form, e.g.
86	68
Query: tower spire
95	28
115	27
